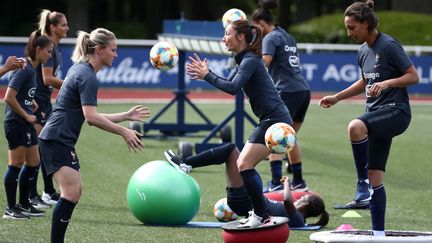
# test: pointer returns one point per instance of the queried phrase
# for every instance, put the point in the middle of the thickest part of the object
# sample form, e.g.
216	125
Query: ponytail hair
363	11
86	43
263	12
36	39
316	208
252	35
47	18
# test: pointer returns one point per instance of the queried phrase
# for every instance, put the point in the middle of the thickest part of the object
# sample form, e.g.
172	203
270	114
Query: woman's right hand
133	140
197	68
328	101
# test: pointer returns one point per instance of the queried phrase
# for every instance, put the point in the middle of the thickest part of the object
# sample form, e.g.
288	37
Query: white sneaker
50	198
177	161
186	168
245	220
255	221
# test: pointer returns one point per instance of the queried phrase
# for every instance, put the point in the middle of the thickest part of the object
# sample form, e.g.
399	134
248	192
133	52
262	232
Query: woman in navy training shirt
76	103
53	25
19	130
309	205
251	77
386	72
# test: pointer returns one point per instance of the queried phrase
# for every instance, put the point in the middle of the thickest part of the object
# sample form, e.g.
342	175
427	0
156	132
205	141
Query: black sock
48	181
297	172
360	150
214	156
62	214
11	184
276	170
25	180
377	208
253	185
33	182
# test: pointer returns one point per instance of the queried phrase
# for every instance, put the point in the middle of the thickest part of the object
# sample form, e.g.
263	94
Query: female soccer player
281	57
309	205
251	77
53	25
77	102
19	130
386	72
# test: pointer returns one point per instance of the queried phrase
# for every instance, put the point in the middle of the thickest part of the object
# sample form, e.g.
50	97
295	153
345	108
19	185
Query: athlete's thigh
386	122
69	181
252	154
32	156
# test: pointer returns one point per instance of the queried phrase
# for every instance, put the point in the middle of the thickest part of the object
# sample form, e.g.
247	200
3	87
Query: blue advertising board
325	71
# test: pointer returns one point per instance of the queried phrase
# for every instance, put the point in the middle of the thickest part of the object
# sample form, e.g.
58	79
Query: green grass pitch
102	214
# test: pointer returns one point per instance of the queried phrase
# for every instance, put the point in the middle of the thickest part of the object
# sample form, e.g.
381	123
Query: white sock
378	232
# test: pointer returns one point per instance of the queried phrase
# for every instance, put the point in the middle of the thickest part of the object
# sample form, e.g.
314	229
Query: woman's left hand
138	113
197	68
376	89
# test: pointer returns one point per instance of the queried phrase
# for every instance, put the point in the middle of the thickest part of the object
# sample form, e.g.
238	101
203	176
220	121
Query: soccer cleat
254	221
14	213
352	205
299	187
177	161
271	187
50	198
30	211
38	203
364	191
245	220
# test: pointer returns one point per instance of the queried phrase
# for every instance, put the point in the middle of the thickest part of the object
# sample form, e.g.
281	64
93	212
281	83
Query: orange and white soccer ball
280	138
164	56
223	212
232	15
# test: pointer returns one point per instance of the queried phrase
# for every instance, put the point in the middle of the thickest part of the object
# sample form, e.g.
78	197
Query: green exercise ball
159	193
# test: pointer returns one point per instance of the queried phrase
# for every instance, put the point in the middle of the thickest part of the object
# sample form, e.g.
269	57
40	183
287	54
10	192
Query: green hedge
408	28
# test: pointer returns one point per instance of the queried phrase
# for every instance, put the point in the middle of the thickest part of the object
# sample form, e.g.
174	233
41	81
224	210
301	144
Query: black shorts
258	133
297	104
42	113
20	134
55	155
383	124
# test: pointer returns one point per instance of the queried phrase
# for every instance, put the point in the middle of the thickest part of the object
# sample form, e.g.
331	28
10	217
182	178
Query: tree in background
144	18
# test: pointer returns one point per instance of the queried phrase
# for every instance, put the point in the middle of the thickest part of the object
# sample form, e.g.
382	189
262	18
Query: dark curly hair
363	11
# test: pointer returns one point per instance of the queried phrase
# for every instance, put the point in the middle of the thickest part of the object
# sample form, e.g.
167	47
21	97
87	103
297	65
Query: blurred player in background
282	60
19	130
53	25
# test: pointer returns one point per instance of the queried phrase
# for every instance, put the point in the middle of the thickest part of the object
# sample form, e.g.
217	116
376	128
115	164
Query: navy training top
276	208
23	81
285	68
251	75
43	92
79	88
385	59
